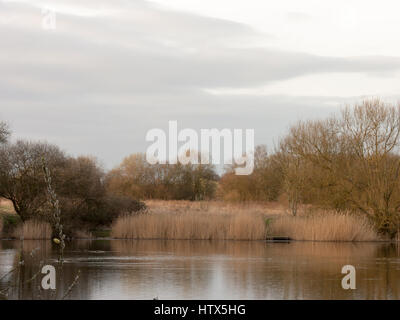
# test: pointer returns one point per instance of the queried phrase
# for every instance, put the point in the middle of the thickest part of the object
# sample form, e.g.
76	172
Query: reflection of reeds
220	221
33	230
325	226
181	248
295	270
190	226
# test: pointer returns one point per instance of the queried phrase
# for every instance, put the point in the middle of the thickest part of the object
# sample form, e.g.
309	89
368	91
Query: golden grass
33	230
324	226
214	207
182	226
195	220
217	220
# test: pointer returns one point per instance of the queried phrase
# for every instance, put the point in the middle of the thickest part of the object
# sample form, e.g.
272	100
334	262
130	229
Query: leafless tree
4	132
358	153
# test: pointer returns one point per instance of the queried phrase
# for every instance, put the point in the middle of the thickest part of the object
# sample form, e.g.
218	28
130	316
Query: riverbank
213	220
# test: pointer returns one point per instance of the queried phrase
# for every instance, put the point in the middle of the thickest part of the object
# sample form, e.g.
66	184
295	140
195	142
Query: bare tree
4	132
22	178
359	153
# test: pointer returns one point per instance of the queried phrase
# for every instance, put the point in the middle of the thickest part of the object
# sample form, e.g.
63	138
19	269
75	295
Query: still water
129	269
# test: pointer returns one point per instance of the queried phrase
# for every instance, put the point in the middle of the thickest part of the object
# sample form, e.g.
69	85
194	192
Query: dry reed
33	230
1	226
214	207
190	226
324	226
222	221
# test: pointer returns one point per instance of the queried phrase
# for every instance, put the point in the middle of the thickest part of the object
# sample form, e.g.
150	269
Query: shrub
94	213
10	222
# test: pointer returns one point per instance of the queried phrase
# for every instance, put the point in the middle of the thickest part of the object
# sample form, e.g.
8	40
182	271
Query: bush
94	213
10	222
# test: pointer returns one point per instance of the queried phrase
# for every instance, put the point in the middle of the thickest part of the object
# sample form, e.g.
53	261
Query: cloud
113	70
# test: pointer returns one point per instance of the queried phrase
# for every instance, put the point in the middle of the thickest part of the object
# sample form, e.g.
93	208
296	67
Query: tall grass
33	230
213	207
189	226
215	220
324	226
1	225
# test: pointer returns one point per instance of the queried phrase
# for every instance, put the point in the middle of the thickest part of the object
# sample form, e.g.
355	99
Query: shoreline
212	240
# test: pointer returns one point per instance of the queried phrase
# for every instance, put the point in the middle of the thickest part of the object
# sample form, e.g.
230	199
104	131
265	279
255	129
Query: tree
22	178
264	184
358	154
4	132
77	182
136	178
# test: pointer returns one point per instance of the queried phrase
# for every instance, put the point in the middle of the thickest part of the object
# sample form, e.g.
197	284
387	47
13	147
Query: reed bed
214	207
214	220
178	226
324	226
1	226
33	230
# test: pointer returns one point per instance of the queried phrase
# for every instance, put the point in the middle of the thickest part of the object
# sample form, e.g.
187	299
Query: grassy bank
11	226
214	220
185	226
256	221
324	226
193	220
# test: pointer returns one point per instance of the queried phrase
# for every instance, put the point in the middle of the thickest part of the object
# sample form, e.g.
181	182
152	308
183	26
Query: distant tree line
79	184
348	161
136	178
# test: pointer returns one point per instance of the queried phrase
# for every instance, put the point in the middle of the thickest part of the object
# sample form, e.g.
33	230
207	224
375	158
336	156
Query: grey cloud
97	84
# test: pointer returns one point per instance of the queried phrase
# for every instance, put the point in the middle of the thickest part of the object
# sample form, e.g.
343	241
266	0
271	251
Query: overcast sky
112	70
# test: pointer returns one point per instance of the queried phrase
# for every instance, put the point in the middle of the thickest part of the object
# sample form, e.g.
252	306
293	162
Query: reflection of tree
207	269
23	281
298	270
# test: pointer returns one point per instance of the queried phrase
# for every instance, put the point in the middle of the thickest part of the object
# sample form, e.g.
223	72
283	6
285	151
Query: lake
144	269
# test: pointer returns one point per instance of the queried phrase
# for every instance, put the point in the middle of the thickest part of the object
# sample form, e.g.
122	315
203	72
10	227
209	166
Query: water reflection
123	269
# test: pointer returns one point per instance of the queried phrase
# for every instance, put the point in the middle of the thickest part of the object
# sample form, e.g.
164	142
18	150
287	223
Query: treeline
138	179
349	161
79	184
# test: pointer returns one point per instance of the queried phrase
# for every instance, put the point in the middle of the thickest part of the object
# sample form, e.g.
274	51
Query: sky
112	70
